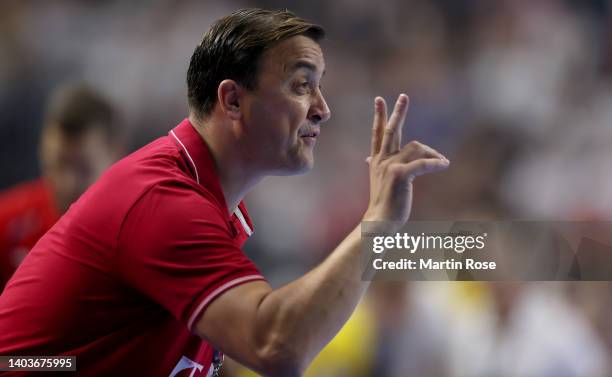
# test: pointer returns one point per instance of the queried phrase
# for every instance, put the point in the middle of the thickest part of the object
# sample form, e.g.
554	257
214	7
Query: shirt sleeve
176	247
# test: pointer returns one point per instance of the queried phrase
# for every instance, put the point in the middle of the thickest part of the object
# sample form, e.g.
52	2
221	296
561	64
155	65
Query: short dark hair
231	49
76	107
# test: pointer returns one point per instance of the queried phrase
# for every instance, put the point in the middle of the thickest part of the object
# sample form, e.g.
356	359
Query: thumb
425	166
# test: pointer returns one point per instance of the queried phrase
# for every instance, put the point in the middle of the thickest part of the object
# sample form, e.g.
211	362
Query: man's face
72	163
282	116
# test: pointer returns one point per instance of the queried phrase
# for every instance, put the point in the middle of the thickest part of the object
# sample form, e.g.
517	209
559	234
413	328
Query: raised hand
393	168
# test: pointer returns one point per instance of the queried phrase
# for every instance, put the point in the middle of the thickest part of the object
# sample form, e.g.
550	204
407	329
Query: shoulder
25	197
178	206
152	180
158	175
24	191
156	164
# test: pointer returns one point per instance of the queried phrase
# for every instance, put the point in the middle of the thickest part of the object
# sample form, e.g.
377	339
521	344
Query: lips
310	133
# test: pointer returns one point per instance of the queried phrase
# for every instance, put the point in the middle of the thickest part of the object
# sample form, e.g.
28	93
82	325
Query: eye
303	87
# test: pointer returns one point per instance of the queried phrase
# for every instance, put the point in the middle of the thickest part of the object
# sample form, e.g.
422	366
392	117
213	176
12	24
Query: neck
236	175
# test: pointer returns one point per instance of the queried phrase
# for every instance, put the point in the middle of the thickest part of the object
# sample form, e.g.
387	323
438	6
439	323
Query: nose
319	111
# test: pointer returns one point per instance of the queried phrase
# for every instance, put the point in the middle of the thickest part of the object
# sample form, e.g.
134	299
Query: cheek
294	116
277	120
99	159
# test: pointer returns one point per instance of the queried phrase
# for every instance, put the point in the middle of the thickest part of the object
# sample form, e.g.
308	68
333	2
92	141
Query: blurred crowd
517	93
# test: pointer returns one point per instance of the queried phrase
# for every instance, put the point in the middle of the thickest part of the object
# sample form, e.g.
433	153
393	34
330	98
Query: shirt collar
203	170
198	158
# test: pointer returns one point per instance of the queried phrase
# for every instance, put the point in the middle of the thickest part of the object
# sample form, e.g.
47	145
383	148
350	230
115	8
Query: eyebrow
305	64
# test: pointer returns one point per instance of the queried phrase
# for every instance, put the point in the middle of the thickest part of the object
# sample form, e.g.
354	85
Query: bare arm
279	332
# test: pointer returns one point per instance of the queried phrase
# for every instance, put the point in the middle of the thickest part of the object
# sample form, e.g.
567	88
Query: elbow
280	359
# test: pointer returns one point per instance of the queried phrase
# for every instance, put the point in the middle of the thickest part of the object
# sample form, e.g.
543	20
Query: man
144	274
78	142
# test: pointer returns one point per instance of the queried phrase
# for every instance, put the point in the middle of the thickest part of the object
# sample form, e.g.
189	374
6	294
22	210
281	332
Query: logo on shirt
186	363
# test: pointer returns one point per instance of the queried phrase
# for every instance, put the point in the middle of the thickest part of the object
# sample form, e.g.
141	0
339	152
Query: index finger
392	133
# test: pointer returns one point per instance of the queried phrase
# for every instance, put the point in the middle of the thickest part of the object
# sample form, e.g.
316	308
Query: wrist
380	224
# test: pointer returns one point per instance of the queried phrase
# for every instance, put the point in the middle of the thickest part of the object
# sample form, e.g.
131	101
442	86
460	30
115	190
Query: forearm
299	319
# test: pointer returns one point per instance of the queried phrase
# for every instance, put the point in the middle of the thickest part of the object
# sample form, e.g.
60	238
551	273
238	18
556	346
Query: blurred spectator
410	332
78	142
521	330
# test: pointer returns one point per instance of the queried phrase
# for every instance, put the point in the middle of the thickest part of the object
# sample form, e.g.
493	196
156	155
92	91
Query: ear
229	95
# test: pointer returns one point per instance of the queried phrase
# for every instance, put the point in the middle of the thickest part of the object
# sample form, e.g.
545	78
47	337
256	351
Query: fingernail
402	100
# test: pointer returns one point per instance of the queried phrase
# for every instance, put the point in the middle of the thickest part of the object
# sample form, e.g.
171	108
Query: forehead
292	54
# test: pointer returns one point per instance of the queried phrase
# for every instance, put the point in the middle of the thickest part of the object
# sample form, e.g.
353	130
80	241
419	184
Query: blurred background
517	93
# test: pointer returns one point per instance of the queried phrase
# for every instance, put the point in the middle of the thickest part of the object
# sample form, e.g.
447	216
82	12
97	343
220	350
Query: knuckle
420	164
383	164
389	130
396	170
414	144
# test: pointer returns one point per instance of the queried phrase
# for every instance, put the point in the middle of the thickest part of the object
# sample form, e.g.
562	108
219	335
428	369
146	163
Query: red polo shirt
120	280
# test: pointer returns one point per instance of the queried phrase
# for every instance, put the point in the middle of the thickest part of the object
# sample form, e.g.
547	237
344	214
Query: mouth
313	133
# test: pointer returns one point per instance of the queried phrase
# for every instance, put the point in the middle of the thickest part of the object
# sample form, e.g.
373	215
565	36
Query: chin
299	167
305	168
